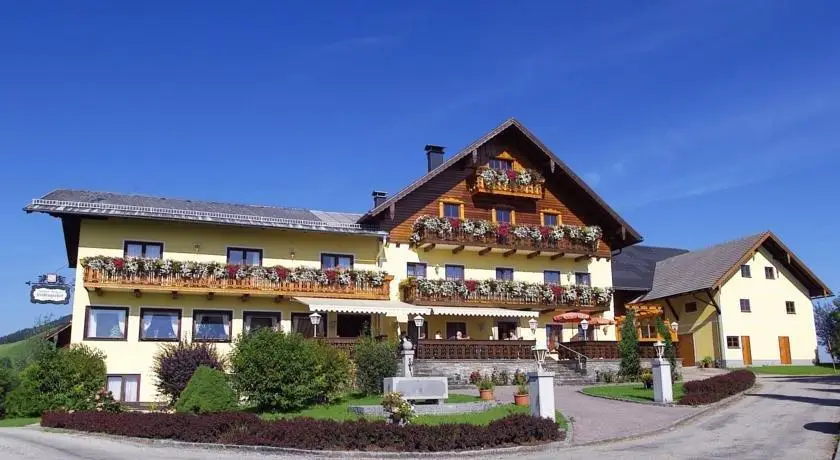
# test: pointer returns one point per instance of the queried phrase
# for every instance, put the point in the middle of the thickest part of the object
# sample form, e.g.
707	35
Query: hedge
305	433
714	389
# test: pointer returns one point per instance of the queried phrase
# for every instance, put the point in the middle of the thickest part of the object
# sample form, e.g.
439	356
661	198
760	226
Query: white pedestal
407	362
541	391
662	386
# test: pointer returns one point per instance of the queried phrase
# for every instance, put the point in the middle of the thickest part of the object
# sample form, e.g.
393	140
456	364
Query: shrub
399	410
67	379
475	377
207	391
630	366
606	376
275	371
646	378
519	378
715	388
334	374
175	364
375	360
8	381
486	383
304	433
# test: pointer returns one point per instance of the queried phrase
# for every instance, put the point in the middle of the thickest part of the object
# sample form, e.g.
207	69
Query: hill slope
24	334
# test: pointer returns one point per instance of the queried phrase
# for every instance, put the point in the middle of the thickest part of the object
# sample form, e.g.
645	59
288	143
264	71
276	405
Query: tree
670	353
827	323
175	364
630	367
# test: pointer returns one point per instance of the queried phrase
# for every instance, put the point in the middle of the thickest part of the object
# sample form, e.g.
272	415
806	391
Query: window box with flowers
526	183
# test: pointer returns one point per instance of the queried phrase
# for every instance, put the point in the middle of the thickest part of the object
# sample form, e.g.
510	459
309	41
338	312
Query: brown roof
632	235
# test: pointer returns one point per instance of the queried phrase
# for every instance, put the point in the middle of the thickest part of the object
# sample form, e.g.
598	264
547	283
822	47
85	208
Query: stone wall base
458	372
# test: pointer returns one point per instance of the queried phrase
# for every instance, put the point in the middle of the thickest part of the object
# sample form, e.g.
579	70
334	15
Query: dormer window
501	164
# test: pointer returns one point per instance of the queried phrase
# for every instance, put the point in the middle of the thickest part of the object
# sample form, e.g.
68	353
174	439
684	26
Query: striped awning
393	308
484	311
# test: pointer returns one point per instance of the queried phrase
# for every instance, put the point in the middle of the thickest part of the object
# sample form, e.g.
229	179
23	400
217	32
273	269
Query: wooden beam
533	254
484	251
137	293
557	256
475	157
712	301
787	254
175	294
552	166
581	258
623	233
245	297
210	295
428	247
278	299
509	253
391	211
99	292
673	310
458	249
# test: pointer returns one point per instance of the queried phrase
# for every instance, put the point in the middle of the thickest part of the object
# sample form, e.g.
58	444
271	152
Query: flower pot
521	400
486	395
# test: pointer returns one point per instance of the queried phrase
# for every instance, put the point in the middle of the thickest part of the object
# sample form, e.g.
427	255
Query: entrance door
746	350
784	349
685	347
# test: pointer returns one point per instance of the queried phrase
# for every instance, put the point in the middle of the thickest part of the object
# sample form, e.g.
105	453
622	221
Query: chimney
378	198
434	155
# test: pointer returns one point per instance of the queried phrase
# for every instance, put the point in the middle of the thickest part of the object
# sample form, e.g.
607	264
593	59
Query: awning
570	317
482	311
393	308
600	321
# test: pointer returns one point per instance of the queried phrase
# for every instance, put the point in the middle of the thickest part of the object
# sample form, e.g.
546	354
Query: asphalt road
788	417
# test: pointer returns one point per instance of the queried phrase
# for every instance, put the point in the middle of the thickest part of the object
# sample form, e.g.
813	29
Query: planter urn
486	395
521	400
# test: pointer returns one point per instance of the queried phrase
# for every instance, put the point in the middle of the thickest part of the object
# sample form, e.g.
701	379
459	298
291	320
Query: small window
160	324
452	210
504	215
211	325
500	164
770	273
790	308
141	249
583	279
415	269
690	307
745	271
244	256
745	305
124	388
255	320
454	328
550	219
733	341
336	261
302	324
455	272
106	323
504	274
551	277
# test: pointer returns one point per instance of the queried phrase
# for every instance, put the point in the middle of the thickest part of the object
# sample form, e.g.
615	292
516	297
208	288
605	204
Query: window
415	269
124	388
770	273
255	320
160	324
336	261
504	215
106	323
790	308
501	164
551	277
550	219
244	256
745	271
455	272
647	329
583	279
211	325
302	324
505	274
733	341
745	305
690	307
141	249
452	330
452	210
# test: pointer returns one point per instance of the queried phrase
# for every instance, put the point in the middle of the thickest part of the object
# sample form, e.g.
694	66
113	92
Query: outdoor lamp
315	319
532	323
674	326
418	321
584	325
539	355
660	348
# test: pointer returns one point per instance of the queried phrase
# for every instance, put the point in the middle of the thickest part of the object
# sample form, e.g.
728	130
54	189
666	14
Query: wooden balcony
475	349
413	293
345	344
597	349
99	280
478	185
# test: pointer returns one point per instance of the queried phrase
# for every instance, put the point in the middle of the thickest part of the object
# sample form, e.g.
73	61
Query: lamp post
315	319
662	383
584	325
660	348
541	385
532	323
418	321
675	327
539	356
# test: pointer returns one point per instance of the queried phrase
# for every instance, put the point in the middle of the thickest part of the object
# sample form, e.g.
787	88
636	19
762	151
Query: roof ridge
714	246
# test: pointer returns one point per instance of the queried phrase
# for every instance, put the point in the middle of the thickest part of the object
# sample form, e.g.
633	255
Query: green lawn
11	349
821	369
16	422
630	392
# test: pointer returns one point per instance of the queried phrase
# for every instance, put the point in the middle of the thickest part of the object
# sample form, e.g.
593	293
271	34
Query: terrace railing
411	293
474	349
598	349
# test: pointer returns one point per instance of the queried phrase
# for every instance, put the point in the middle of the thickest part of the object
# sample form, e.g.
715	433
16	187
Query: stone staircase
566	373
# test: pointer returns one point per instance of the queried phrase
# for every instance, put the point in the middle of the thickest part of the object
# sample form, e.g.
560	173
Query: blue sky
698	121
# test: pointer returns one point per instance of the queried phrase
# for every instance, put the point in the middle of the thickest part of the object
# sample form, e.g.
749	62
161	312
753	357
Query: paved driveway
788	417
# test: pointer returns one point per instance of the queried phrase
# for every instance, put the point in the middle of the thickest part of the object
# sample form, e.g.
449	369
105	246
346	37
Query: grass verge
17	422
630	392
820	369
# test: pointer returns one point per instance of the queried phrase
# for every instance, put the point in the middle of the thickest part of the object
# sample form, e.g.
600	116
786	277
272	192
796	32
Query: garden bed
340	410
238	428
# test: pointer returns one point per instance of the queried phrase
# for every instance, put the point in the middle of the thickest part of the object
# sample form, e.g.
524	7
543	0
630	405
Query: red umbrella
570	317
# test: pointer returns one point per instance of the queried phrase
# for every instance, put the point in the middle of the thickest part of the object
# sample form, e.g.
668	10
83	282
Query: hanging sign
50	289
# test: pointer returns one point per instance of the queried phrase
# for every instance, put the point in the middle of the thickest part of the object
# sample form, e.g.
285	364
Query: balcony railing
569	239
345	344
475	349
236	280
597	349
496	182
505	293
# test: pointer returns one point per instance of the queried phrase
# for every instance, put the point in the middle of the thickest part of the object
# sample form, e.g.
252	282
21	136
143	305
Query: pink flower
545	231
232	270
282	273
471	285
119	263
556	290
331	275
511	174
455	223
503	231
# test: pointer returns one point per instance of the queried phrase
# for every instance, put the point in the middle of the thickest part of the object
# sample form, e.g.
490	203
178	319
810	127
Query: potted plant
707	362
647	378
485	388
521	398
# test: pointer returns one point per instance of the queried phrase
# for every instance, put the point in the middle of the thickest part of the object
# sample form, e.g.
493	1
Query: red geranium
332	275
232	270
471	285
119	263
503	230
545	231
556	290
511	175
455	223
282	273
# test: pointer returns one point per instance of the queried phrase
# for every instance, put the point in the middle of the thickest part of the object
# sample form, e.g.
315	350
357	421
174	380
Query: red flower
545	231
556	290
282	273
455	223
232	270
511	174
332	275
119	263
504	230
471	285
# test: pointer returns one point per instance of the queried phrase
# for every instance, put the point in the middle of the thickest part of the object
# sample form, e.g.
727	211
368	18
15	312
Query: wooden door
685	349
746	350
784	349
